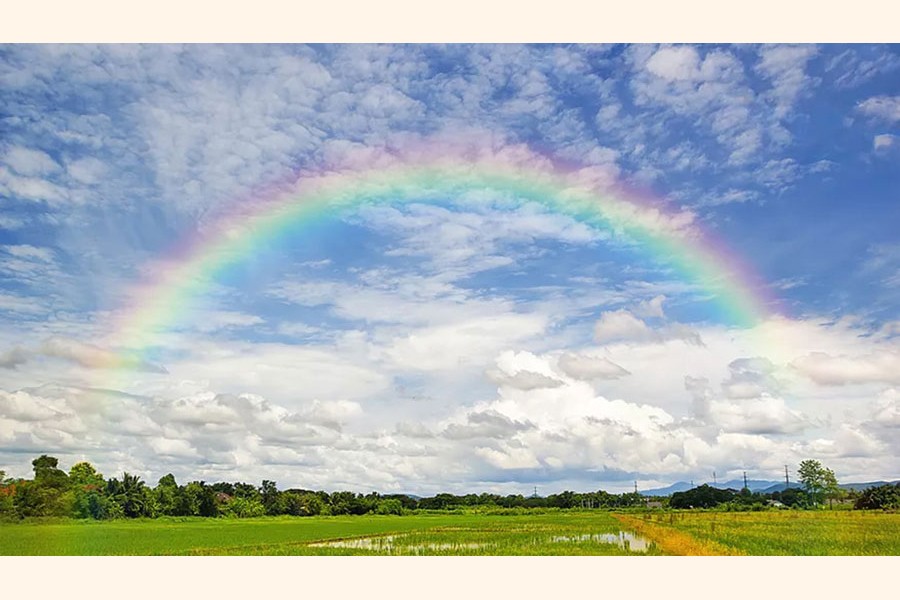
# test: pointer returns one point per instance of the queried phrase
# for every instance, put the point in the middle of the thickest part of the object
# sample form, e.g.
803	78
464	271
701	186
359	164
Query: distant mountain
681	486
863	486
780	487
755	485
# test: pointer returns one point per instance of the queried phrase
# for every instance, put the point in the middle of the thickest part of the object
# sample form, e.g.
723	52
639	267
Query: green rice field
794	533
548	534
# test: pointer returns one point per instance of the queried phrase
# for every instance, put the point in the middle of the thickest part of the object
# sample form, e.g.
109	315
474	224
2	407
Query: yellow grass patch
672	541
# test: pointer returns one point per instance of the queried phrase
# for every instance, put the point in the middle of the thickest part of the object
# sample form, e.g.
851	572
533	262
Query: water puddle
624	539
389	543
401	544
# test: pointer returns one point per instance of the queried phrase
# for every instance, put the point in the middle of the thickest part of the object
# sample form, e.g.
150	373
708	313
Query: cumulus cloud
675	63
765	415
587	367
652	308
523	380
486	424
750	378
883	108
622	326
466	342
825	369
886	409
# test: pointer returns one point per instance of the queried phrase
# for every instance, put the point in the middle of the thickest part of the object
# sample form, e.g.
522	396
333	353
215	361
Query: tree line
84	493
819	485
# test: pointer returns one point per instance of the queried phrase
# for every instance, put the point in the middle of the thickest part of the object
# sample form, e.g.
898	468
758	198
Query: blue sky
477	342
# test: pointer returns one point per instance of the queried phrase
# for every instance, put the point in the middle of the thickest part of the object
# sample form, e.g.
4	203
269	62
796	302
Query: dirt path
672	541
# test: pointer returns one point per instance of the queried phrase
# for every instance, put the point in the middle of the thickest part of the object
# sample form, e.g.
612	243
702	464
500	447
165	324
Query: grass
557	533
792	533
549	534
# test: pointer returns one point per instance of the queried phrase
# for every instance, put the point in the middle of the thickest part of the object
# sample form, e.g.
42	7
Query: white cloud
785	67
825	369
622	326
214	320
94	357
675	63
10	222
22	304
28	161
884	108
13	358
30	188
523	380
587	367
651	308
750	378
883	141
464	343
87	171
29	252
765	415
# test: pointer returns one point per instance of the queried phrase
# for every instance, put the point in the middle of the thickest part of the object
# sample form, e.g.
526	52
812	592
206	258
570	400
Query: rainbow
423	173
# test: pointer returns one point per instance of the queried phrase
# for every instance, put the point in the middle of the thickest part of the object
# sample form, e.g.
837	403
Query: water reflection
388	543
397	544
624	539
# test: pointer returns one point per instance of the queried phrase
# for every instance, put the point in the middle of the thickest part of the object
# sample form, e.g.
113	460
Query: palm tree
130	494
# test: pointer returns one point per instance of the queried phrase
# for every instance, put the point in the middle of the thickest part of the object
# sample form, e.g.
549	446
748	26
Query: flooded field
413	544
538	534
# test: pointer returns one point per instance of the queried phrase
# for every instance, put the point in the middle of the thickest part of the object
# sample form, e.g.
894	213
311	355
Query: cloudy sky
447	342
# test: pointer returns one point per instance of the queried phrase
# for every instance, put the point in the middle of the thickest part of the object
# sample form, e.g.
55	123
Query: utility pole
745	479
714	478
535	492
787	480
635	487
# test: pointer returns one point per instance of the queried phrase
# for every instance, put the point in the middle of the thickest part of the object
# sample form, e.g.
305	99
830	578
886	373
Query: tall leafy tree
885	497
815	479
271	497
84	474
47	494
833	490
131	495
88	489
166	495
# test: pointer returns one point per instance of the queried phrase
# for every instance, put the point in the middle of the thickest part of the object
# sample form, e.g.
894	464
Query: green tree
833	490
242	508
390	506
813	477
84	474
704	496
165	495
7	493
271	498
46	472
47	494
883	497
131	495
89	501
